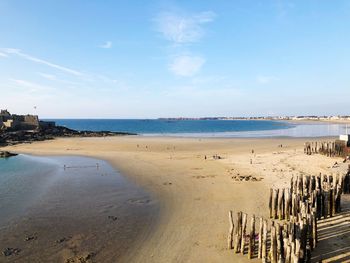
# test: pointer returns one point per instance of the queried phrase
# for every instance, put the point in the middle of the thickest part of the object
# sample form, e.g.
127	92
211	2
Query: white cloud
186	65
3	55
107	44
182	29
30	86
266	79
40	61
48	76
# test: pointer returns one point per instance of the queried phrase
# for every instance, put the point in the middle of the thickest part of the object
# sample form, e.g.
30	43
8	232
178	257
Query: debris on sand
11	251
246	178
113	218
30	238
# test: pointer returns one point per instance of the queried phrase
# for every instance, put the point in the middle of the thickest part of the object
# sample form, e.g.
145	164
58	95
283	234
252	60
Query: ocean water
206	128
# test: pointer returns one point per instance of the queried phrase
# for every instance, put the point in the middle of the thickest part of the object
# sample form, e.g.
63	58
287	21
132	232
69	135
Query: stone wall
22	122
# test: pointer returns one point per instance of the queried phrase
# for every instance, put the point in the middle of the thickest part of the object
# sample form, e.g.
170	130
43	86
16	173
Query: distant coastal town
280	118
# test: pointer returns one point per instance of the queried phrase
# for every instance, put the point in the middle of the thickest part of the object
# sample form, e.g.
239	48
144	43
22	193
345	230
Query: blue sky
149	59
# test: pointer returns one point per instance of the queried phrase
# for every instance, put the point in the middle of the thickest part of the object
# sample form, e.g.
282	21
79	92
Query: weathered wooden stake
230	232
280	204
275	203
270	202
264	243
238	233
260	237
273	245
279	242
251	246
244	227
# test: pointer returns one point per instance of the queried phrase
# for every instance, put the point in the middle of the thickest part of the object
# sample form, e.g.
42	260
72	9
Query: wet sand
195	193
82	210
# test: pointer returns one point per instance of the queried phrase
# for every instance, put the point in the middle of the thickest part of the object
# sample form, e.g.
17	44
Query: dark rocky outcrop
6	154
26	136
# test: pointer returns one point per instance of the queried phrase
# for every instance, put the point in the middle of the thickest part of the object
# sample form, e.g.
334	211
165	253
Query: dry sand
195	193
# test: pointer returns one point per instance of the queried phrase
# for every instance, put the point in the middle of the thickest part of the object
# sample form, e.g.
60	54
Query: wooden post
334	199
230	232
285	243
264	243
330	202
251	247
293	205
310	228
244	227
287	204
273	245
288	252
303	239
304	185
325	204
238	233
279	242
314	229
297	250
280	204
260	237
275	203
338	199
307	255
319	205
270	202
294	257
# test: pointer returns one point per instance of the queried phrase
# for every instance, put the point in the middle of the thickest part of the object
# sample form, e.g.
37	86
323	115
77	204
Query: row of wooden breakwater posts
290	234
332	149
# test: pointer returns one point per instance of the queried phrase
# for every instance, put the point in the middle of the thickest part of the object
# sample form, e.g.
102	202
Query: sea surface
206	128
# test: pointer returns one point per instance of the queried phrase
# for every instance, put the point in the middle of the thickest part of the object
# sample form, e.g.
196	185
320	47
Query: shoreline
194	193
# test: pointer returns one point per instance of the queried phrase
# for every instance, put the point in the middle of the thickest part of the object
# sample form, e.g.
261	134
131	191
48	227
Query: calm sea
205	128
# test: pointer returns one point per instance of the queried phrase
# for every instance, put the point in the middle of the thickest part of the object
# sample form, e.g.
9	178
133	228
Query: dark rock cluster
6	154
26	136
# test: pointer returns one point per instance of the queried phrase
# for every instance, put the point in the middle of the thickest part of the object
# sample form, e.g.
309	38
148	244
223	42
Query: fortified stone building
15	122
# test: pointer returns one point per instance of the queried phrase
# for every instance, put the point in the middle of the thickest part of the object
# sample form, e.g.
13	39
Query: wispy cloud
186	65
18	52
30	86
181	29
266	79
48	76
107	44
3	55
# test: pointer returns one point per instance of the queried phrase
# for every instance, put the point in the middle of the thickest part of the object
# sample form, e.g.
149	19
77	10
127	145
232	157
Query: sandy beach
196	191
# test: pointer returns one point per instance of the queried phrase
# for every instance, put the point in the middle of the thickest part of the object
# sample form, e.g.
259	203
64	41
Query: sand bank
196	193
